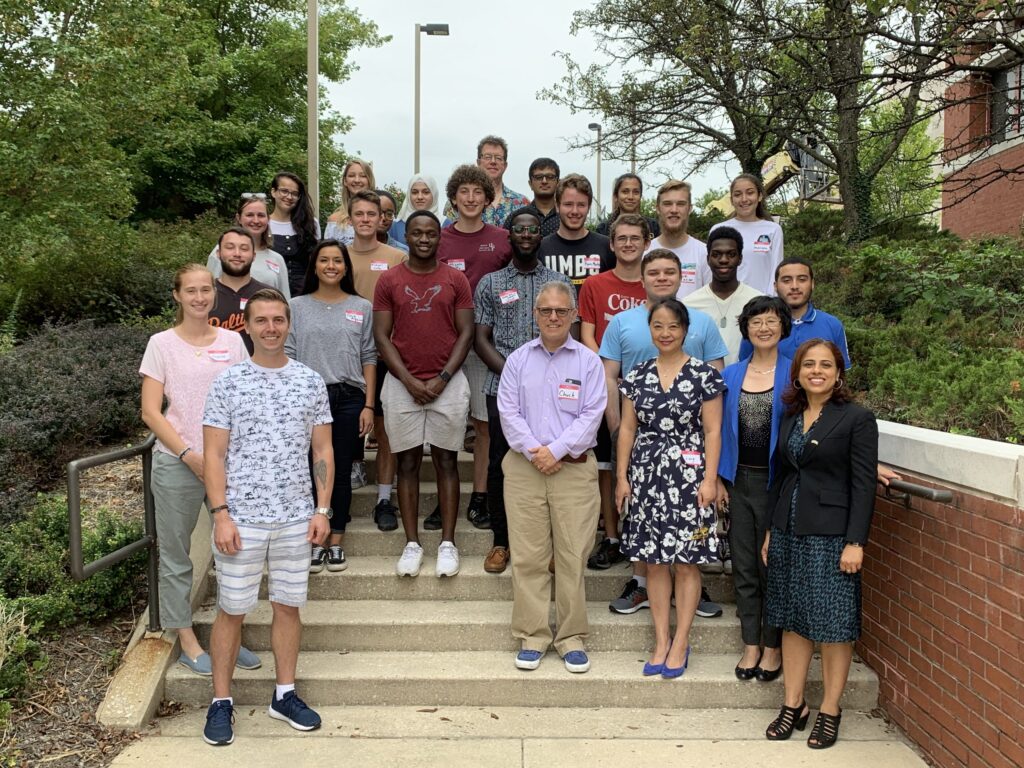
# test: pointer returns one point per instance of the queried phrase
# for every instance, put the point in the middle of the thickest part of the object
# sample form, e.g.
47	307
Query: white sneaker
358	474
447	559
410	561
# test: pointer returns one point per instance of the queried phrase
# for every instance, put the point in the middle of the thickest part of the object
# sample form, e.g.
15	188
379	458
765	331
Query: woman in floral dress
669	444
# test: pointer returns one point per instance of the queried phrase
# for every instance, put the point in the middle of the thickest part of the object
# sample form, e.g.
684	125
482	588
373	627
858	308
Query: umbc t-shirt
423	310
576	259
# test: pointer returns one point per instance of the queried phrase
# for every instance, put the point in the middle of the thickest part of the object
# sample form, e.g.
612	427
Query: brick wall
992	209
943	626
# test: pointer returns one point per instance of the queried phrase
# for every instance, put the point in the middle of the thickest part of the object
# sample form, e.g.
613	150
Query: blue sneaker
201	665
528	659
576	661
247	659
294	711
219	719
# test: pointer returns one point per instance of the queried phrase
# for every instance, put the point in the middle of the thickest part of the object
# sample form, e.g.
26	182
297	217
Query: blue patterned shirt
504	301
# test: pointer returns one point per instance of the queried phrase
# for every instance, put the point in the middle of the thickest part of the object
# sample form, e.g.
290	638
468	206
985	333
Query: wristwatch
325	511
444	376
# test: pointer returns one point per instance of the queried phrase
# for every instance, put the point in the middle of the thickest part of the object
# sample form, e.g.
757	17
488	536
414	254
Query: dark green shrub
20	654
34	566
64	392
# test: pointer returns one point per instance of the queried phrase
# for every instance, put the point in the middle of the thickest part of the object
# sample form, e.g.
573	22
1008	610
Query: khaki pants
550	514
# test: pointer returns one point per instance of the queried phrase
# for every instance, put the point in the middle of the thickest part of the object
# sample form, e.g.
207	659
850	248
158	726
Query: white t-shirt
269	414
762	253
692	254
725	313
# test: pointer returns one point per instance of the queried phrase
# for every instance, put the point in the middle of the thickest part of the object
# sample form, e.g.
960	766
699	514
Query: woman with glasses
268	266
627	194
357	176
293	226
420	195
388	210
669	443
750	435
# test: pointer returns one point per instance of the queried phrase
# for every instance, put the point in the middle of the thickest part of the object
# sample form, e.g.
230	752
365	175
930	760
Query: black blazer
837	471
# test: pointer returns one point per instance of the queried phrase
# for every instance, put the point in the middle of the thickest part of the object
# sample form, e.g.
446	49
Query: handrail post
153	561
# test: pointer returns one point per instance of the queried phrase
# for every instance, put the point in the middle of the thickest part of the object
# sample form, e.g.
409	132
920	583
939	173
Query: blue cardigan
733	375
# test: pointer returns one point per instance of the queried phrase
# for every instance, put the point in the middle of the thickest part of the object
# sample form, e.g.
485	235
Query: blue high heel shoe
670	673
650	670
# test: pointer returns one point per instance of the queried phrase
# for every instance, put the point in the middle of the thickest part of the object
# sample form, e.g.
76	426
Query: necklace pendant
721	323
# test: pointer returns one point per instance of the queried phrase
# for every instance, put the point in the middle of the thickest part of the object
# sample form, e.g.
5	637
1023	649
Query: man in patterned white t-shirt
262	416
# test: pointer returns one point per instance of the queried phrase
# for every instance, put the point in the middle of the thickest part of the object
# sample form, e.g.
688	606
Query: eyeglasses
770	324
292	193
630	239
387	214
492	158
254	196
544	177
551	311
519	229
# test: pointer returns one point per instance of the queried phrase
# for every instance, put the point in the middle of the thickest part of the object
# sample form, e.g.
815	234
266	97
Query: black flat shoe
748	673
766	676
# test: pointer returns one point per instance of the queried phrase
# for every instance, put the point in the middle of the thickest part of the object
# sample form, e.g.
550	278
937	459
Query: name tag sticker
354	315
689	274
378	266
568	391
692	458
763	244
592	262
242	303
459	264
273	266
219	355
507	297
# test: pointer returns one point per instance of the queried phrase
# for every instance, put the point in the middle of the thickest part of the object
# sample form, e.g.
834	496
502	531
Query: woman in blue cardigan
752	413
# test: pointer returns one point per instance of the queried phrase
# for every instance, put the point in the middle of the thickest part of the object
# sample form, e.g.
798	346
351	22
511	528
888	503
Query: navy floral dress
664	523
807	593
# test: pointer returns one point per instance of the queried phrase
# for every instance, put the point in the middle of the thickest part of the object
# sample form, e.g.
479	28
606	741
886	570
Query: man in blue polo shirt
794	284
627	342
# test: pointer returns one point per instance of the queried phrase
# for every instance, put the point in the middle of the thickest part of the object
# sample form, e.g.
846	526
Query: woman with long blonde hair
357	176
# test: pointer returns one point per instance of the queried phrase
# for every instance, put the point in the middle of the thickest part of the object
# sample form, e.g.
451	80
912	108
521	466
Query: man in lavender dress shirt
551	398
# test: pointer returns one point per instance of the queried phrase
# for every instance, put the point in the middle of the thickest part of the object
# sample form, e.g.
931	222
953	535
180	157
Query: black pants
495	477
750	515
346	402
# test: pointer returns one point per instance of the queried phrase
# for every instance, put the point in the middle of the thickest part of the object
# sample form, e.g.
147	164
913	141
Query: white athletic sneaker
447	559
410	561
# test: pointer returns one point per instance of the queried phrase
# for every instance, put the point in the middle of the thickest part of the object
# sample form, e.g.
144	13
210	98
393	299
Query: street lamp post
597	185
313	105
440	30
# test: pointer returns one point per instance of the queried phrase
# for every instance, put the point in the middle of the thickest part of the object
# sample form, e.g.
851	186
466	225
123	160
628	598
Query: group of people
678	394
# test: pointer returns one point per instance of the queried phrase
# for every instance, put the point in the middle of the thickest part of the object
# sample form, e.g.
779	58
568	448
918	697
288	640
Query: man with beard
674	206
235	285
573	250
505	321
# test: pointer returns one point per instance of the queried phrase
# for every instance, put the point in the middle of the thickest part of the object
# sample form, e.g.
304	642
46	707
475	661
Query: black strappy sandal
781	727
825	730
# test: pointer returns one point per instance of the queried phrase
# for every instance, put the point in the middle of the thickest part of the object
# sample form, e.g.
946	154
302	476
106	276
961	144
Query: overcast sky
482	79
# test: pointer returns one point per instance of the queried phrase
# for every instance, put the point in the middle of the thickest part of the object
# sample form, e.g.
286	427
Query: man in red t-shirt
602	297
476	249
423	326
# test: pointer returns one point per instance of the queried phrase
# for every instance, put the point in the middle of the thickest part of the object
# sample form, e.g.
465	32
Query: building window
1008	103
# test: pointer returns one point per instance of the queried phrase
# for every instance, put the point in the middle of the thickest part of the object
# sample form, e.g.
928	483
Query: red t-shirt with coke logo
604	295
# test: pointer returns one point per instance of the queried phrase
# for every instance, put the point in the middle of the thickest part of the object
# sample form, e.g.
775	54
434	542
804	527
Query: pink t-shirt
186	373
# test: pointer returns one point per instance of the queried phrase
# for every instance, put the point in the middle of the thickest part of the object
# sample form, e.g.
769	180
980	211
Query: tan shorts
441	422
476	373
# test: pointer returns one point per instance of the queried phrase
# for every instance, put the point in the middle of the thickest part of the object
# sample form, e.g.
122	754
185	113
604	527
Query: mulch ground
54	723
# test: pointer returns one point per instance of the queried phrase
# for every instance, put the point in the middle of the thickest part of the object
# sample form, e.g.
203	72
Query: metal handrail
904	490
81	570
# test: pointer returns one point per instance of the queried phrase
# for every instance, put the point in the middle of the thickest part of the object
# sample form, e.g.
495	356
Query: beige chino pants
550	515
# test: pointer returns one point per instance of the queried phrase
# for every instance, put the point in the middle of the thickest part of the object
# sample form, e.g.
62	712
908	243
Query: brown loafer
496	560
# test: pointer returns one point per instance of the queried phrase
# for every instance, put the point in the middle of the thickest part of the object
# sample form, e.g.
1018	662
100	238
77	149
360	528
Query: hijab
407	207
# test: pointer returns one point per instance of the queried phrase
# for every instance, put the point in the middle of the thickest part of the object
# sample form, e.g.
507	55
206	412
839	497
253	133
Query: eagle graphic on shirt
422	303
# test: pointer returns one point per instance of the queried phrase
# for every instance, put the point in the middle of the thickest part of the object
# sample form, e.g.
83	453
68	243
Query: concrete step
374	578
489	678
427	472
419	625
365	499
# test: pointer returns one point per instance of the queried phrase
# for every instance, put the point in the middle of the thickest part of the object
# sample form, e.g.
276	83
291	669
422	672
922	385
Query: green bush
63	393
20	655
34	566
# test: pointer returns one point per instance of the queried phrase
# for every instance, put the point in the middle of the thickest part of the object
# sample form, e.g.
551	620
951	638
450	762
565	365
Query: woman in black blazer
824	495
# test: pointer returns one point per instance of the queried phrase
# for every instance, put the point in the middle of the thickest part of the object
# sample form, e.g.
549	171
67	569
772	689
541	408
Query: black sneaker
477	512
318	559
385	515
336	559
706	608
606	555
433	520
220	718
632	599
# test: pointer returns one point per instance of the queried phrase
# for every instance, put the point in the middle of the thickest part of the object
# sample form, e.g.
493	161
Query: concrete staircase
431	659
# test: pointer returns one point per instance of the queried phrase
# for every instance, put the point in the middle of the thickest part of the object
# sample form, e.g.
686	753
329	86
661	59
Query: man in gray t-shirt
262	417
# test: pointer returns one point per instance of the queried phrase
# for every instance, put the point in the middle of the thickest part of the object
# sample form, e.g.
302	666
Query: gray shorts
476	373
441	422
